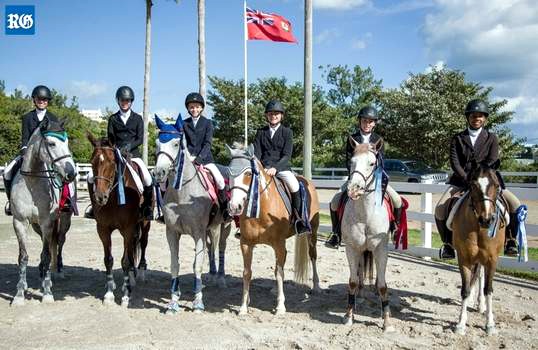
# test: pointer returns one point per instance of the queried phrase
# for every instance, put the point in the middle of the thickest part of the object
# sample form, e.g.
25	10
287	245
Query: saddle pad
210	185
136	177
458	204
284	194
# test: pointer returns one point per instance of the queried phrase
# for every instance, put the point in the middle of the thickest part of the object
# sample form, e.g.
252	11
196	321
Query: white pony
47	164
365	227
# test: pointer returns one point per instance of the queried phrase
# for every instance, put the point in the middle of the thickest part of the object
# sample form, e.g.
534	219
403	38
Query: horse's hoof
18	301
198	306
348	320
47	299
173	308
460	330
389	329
491	330
125	302
221	282
281	310
243	311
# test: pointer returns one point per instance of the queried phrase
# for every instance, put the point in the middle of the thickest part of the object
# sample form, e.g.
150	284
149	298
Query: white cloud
493	42
404	6
326	35
86	90
340	4
362	42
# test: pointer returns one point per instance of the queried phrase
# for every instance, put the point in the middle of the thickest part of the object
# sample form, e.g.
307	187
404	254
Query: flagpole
245	65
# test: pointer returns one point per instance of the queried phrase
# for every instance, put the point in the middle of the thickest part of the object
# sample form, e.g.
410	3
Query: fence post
426	227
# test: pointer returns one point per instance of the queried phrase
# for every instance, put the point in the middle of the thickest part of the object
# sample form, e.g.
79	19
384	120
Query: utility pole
201	48
307	145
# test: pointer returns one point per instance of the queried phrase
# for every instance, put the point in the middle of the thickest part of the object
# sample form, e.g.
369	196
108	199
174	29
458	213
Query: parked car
414	171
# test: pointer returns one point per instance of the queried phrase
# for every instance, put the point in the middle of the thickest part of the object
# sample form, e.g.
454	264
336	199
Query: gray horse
186	210
365	228
47	164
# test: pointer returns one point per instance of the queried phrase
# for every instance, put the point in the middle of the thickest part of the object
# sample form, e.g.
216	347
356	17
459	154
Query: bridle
110	180
485	198
168	155
47	173
368	180
241	188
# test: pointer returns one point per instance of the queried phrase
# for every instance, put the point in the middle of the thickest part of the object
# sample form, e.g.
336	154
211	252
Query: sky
89	48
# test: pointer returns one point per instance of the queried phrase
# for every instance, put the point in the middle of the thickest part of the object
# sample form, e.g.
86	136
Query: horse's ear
352	142
44	125
496	165
250	150
229	150
158	122
91	138
378	144
179	123
63	123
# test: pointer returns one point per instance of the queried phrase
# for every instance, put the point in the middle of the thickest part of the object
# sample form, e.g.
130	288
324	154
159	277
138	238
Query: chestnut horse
111	214
479	228
273	225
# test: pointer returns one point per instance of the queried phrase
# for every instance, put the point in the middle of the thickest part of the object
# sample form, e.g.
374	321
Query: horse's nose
70	173
159	174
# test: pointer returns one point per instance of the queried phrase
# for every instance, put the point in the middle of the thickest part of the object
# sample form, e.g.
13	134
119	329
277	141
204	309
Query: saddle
454	203
209	182
286	198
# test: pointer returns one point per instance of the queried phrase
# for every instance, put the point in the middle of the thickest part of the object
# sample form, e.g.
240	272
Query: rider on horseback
273	146
368	118
473	144
41	97
199	136
126	130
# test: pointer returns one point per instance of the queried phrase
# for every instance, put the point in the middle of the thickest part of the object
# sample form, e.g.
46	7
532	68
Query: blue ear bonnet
169	132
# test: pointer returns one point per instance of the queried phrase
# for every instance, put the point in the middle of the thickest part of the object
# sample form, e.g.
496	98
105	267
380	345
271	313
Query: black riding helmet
125	93
368	112
477	106
274	106
194	97
41	91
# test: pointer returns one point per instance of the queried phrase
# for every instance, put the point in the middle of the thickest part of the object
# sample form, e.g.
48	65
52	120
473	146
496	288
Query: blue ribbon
178	179
521	215
304	209
119	177
378	194
253	208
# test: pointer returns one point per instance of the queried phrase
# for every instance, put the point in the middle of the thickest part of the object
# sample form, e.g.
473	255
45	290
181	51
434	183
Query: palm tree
201	47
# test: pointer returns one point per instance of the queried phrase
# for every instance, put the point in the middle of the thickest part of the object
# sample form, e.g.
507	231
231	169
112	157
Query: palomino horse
273	225
365	227
186	209
116	201
479	228
47	164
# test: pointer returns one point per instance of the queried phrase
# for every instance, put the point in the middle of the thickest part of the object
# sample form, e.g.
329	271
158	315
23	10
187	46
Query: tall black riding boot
7	186
296	203
510	238
336	235
446	251
147	210
89	212
223	204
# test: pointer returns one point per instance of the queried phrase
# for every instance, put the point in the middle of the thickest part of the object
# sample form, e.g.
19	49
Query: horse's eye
52	144
372	163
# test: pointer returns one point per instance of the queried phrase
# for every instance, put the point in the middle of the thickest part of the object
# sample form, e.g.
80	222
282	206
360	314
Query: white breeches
289	179
219	180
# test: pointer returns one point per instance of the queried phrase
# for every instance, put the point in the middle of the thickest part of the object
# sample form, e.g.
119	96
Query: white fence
426	218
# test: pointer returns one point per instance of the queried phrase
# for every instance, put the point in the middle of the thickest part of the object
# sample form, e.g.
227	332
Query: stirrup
446	252
88	213
510	248
333	241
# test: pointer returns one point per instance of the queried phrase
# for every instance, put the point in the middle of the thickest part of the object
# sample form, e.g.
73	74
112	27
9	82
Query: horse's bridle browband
50	173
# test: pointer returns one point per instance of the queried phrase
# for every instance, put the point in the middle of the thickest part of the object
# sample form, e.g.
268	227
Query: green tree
420	117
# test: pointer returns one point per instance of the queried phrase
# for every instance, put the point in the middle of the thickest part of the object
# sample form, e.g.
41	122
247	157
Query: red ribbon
401	236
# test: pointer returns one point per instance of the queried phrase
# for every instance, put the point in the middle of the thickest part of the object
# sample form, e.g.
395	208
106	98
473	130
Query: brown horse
110	215
273	225
479	228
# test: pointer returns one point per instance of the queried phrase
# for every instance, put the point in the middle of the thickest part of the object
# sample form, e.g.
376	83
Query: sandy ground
424	299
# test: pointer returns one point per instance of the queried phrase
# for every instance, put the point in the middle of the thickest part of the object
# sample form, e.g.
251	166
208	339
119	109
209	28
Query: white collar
474	133
40	114
125	115
274	128
365	136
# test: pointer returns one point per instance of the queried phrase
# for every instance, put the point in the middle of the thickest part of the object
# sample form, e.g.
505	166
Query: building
93	114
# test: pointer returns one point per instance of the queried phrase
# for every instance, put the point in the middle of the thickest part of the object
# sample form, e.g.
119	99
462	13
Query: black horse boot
296	203
336	235
446	251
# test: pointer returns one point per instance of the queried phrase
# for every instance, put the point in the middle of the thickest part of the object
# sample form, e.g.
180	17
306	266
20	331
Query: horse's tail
368	267
302	265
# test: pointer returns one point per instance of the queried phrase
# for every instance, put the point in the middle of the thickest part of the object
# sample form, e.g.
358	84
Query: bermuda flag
265	26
